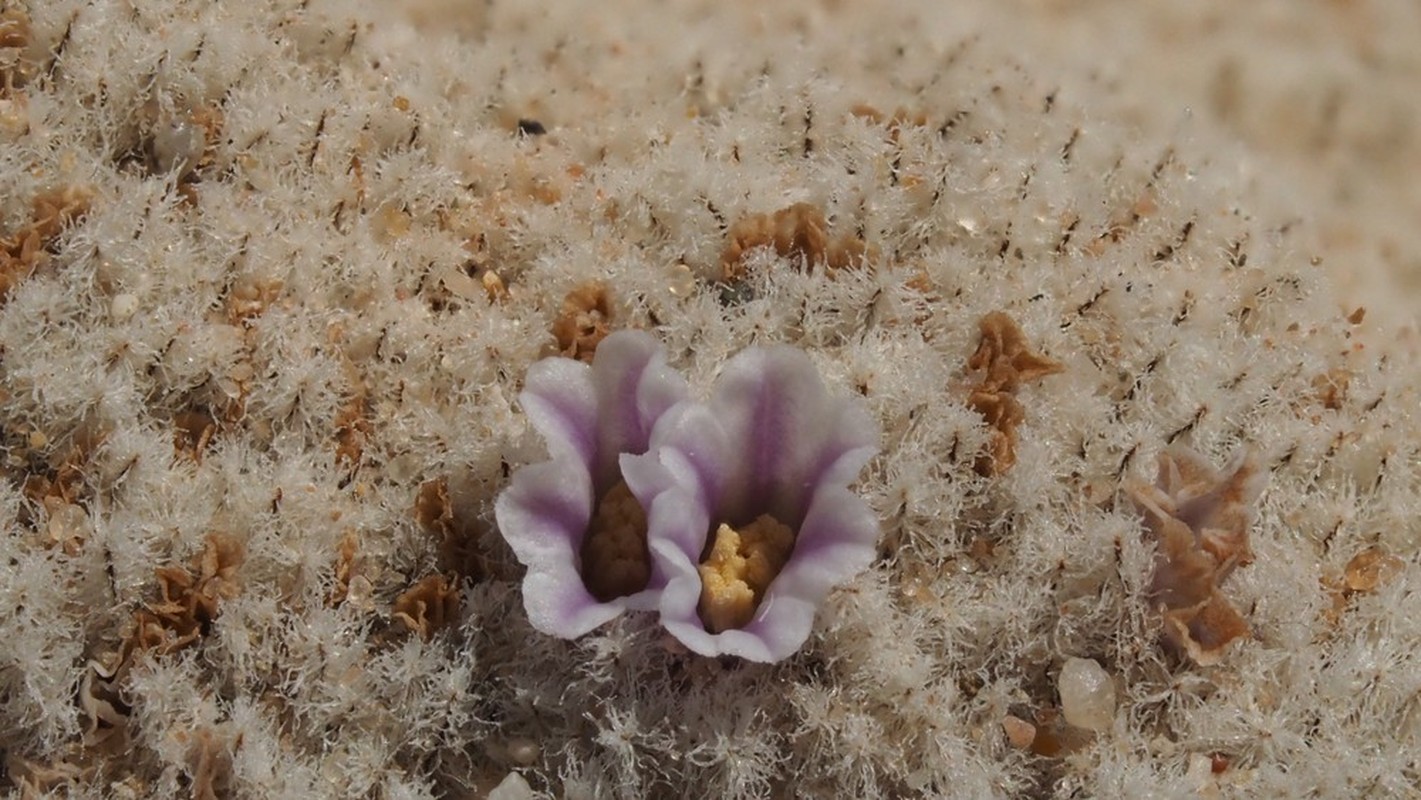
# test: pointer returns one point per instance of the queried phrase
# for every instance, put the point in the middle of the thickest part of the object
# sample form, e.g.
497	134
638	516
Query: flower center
738	569
615	560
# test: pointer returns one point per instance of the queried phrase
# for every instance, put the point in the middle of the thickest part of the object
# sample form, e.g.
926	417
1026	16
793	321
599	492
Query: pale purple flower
570	520
770	456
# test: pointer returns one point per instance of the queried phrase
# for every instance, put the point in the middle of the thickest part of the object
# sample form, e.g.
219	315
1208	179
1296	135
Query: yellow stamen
738	570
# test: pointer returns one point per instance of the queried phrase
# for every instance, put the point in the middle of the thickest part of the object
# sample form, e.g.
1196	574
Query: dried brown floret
59	481
1371	568
800	232
1004	353
585	320
428	605
460	552
192	595
352	429
1199	519
188	602
189	597
431	505
250	297
24	251
1003	413
1330	388
347	567
15	34
209	759
1008	362
192	433
161	634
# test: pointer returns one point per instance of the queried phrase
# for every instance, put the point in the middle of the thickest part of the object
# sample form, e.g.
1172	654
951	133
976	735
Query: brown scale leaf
1199	518
584	321
15	35
1371	568
1367	571
1006	356
352	429
799	232
1019	733
1007	362
428	606
209	761
24	251
192	434
1330	388
347	567
250	297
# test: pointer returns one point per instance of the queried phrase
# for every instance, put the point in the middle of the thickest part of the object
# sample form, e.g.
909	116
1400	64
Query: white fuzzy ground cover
239	383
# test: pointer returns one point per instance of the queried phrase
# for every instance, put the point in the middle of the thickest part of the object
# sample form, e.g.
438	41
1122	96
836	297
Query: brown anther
615	559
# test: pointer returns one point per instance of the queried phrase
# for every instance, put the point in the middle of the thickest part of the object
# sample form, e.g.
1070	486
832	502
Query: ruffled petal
786	433
780	626
545	510
588	416
689	447
836	542
560	402
559	605
771	441
542	515
634	387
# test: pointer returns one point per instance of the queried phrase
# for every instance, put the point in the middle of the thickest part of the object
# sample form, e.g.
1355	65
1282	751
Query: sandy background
272	274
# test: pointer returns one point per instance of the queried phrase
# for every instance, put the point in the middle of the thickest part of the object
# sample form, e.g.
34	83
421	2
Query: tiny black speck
531	127
736	293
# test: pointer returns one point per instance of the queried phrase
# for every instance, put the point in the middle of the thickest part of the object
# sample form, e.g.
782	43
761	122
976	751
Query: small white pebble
681	282
1087	694
513	787
123	307
523	752
1199	774
177	146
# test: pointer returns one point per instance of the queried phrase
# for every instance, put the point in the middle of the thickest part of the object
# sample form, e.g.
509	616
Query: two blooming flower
732	518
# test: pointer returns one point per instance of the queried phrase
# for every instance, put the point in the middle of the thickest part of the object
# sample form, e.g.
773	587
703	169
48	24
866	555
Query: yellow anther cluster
739	569
615	561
